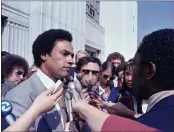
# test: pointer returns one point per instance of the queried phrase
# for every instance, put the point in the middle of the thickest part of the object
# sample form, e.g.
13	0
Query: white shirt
48	83
155	98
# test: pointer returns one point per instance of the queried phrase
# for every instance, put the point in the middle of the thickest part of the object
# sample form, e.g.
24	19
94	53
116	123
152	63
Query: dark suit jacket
22	97
161	116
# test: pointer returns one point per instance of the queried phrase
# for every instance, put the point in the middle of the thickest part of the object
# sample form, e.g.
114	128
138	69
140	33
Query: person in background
124	94
14	69
89	68
4	53
78	55
116	58
106	76
119	73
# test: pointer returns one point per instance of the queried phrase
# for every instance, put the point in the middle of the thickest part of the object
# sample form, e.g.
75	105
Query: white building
119	18
23	21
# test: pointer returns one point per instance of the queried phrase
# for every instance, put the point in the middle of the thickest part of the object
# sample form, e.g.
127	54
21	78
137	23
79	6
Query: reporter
42	104
100	121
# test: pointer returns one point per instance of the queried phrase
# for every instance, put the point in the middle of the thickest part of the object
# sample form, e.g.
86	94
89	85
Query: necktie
63	110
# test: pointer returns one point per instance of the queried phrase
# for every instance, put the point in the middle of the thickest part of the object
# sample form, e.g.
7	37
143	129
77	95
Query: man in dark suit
53	55
153	79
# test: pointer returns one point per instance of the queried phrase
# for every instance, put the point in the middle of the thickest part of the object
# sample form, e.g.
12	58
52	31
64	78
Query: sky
153	16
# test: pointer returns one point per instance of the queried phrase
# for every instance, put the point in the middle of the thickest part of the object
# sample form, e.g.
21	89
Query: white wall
95	36
120	27
38	16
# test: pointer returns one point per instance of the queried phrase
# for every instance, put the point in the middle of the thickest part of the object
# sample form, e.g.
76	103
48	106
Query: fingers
58	94
49	91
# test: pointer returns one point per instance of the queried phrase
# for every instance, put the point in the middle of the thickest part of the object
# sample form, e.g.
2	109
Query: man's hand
46	101
119	109
86	95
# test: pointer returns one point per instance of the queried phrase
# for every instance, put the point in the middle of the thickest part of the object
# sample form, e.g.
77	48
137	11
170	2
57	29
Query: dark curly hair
158	47
10	62
45	42
4	53
114	56
85	60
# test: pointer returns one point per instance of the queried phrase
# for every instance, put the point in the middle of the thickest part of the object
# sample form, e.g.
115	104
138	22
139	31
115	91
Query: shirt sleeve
116	123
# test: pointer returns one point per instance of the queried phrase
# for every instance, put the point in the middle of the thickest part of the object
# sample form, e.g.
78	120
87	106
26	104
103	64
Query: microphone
68	96
6	109
71	86
79	77
78	87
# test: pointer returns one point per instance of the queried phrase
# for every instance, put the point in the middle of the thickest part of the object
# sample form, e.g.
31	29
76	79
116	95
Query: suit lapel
37	86
53	119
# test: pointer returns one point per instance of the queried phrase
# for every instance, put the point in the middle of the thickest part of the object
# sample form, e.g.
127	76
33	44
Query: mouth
130	84
67	68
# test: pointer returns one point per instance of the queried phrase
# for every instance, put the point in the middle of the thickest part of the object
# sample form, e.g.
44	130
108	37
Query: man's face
106	76
58	64
139	81
128	78
116	62
80	55
90	71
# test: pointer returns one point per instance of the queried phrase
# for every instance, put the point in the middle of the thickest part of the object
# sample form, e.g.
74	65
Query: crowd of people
118	95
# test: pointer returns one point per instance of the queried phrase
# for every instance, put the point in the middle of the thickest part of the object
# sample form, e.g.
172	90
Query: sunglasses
19	73
106	77
88	71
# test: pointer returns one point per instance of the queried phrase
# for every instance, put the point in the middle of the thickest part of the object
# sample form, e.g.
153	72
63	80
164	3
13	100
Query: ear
43	57
151	71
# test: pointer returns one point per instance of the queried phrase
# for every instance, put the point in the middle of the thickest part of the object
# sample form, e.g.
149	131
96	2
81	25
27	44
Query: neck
46	72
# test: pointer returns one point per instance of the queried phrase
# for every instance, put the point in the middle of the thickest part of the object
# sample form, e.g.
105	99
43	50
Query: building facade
99	27
23	21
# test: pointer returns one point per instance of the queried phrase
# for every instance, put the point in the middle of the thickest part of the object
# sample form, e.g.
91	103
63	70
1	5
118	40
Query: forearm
94	117
24	122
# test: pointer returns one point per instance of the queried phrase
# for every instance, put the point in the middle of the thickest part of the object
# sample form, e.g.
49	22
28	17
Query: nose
70	60
130	77
21	77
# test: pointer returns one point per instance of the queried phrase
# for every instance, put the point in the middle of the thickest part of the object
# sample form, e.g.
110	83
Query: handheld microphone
79	76
68	96
6	109
71	86
78	87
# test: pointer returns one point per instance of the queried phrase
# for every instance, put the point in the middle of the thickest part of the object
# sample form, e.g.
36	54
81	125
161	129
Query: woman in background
14	69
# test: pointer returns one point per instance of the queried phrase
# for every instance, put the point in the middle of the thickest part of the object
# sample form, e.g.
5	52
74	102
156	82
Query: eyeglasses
106	77
19	73
88	71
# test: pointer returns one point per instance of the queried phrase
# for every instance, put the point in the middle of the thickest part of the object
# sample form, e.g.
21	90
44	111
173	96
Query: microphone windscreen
79	76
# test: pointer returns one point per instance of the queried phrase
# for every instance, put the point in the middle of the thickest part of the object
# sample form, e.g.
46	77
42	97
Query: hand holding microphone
42	104
6	111
46	101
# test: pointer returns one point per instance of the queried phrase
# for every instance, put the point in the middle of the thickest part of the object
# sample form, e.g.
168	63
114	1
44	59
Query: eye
64	53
